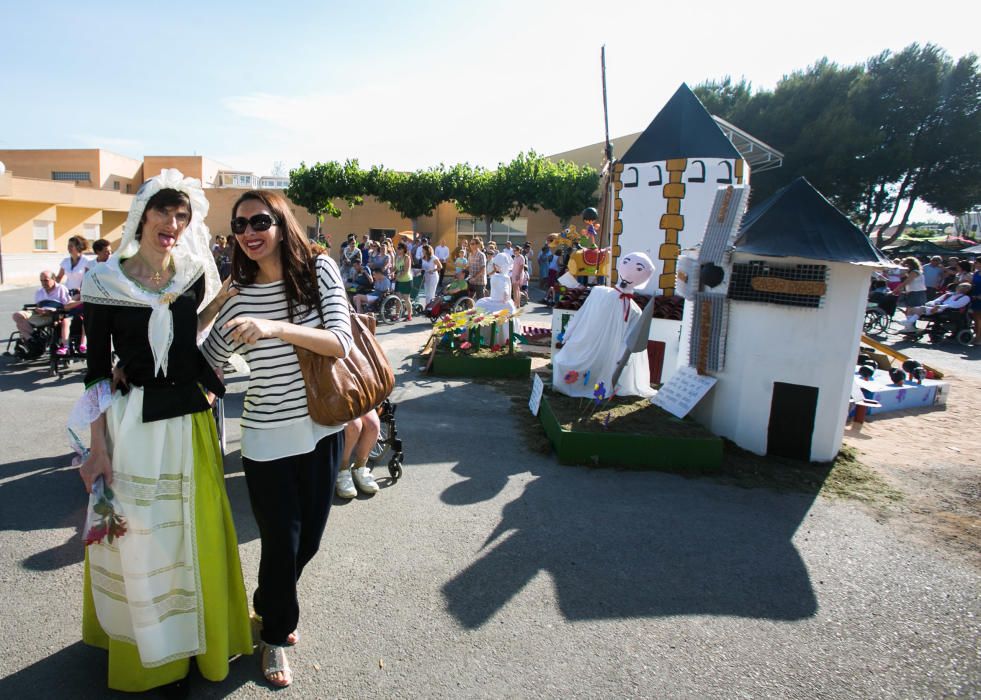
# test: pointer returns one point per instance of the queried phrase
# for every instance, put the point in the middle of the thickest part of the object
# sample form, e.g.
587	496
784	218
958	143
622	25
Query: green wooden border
505	367
628	450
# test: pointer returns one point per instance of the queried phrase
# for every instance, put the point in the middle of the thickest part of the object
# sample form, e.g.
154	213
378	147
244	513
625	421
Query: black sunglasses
259	222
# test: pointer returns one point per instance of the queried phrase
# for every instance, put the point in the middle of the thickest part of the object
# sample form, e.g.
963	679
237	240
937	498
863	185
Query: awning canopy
759	156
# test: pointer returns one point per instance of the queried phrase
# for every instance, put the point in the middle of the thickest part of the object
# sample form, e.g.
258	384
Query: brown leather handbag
342	389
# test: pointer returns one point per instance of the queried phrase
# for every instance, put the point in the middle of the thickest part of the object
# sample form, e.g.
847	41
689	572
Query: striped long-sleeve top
276	395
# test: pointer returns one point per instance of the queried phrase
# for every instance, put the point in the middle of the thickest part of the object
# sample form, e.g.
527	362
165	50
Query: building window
514	230
376	234
115	185
43	235
92	232
71	176
129	188
244	180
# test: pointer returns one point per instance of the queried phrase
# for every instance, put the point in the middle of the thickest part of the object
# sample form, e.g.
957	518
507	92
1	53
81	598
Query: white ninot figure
594	339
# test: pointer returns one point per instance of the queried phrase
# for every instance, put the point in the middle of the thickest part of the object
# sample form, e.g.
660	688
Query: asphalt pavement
491	571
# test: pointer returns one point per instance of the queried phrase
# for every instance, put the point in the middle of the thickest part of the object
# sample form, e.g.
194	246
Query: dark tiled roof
682	129
797	221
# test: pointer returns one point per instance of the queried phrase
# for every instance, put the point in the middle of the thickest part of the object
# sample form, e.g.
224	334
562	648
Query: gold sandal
274	661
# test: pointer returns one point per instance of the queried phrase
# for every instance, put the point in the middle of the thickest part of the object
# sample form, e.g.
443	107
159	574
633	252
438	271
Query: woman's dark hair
913	264
161	201
80	243
964	265
100	245
295	255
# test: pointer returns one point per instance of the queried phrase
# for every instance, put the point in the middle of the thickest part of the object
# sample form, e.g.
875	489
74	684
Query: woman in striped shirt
286	298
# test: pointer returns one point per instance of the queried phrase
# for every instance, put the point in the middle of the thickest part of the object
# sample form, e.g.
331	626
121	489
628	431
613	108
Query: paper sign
685	389
537	387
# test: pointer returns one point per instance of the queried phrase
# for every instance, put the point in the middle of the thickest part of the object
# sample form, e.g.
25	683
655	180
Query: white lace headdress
107	284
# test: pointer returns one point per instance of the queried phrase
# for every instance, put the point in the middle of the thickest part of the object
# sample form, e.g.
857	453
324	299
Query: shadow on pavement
44	494
80	671
623	544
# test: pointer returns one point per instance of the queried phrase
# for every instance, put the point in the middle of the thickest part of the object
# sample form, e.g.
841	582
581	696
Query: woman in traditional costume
171	587
287	297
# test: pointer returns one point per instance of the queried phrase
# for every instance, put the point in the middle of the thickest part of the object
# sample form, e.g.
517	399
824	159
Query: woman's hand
119	380
248	329
95	465
226	292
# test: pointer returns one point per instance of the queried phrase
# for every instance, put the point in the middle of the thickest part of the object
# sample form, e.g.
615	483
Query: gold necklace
157	276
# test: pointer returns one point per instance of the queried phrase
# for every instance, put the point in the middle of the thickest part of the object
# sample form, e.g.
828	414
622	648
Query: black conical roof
682	129
797	221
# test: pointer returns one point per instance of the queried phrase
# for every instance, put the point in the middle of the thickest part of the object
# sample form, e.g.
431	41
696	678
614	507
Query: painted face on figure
258	244
162	228
634	270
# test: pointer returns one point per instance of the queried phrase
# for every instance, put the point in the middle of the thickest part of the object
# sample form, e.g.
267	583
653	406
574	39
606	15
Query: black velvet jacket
124	329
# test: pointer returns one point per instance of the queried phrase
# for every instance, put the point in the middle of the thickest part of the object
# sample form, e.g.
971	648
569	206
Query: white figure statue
594	339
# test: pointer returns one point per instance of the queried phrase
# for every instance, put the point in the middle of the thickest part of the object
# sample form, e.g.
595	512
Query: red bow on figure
626	297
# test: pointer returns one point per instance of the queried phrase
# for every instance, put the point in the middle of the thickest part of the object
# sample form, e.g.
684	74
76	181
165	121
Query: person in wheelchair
48	300
359	280
950	305
381	285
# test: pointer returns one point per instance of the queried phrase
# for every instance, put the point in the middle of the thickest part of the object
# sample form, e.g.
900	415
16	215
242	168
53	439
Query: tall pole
606	216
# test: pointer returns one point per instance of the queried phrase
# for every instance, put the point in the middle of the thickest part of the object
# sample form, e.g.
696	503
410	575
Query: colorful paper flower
571	377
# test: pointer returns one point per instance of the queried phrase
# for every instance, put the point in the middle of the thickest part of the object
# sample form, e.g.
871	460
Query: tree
412	195
496	195
875	138
566	189
314	188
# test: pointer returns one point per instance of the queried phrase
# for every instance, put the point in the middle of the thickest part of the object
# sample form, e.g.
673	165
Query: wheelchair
951	324
388	439
46	338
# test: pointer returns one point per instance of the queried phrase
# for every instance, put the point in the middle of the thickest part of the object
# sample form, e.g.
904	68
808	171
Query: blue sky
405	84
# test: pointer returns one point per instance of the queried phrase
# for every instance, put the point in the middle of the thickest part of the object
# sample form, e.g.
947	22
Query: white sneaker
364	480
345	486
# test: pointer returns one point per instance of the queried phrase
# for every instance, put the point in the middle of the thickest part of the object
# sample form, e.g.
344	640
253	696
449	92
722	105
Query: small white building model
796	284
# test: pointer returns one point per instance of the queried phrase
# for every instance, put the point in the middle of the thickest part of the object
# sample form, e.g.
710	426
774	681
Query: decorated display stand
600	367
892	395
777	316
476	343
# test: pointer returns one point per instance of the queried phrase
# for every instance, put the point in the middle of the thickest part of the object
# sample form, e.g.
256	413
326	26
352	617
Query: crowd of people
926	289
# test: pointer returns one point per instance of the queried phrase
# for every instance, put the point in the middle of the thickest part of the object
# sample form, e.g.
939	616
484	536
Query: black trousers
291	500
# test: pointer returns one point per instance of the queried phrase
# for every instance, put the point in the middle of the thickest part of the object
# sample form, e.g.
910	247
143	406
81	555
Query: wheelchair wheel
381	445
965	337
463	304
391	309
876	322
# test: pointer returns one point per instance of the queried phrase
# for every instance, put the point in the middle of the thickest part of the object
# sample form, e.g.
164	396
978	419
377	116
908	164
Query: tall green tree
929	122
567	188
496	195
875	138
316	187
413	195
